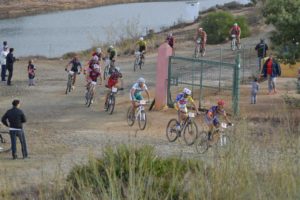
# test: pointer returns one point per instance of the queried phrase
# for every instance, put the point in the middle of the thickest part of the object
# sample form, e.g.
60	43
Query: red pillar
164	51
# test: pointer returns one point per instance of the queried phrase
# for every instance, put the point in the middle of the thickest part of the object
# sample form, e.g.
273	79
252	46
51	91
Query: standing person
236	30
271	70
4	44
254	90
14	119
3	56
31	73
200	34
10	59
171	41
261	49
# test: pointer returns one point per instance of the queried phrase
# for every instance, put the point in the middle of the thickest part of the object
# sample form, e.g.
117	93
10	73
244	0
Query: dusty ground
62	132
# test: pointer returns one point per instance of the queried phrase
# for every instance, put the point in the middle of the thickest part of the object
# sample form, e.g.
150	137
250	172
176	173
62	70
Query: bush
217	26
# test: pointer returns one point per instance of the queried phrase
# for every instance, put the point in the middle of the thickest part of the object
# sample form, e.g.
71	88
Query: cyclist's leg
74	78
209	123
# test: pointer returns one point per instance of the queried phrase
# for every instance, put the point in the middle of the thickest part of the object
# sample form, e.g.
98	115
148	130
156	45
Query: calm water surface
54	34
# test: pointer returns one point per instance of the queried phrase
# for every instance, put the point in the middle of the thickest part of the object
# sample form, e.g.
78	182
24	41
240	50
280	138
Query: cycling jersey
182	101
76	65
170	41
112	53
114	76
93	75
211	117
141	43
235	30
137	91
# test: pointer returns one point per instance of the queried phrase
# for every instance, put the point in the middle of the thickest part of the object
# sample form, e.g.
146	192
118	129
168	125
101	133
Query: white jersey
138	89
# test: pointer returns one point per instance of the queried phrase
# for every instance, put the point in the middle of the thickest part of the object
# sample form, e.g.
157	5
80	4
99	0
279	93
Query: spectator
171	41
31	73
3	56
254	90
4	44
10	59
261	49
271	70
14	119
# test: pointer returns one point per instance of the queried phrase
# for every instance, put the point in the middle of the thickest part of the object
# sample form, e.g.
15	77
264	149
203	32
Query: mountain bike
70	81
139	115
139	60
5	145
188	127
106	68
219	139
89	97
111	100
234	44
199	50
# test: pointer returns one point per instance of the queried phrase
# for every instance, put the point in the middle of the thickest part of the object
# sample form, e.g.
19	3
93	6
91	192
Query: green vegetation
284	15
218	24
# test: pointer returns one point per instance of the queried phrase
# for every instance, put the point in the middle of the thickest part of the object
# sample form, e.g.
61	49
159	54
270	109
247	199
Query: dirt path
62	132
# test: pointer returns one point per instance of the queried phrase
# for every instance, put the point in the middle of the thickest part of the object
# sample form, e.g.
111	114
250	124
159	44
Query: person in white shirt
3	55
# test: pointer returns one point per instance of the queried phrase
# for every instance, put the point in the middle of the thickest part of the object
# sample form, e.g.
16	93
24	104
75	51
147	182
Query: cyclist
142	46
98	53
236	30
170	40
75	67
181	104
212	117
111	52
93	74
113	80
136	90
200	33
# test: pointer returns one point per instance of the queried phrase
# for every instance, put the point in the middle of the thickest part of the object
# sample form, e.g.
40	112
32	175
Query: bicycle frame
140	107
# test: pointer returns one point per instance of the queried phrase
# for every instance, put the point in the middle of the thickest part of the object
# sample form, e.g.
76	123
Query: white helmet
98	50
118	69
141	80
187	91
95	58
141	38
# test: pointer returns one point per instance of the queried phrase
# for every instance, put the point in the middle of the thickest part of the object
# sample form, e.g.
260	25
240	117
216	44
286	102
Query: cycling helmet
95	58
141	38
141	80
118	69
200	29
221	102
187	91
98	50
170	34
235	24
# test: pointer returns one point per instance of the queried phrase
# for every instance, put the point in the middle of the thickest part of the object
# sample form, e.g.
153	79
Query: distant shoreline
29	7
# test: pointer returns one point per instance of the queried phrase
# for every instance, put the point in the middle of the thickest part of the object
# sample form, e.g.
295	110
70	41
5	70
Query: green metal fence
207	79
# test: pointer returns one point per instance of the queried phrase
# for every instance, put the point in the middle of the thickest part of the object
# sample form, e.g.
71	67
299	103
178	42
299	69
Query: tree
284	15
218	24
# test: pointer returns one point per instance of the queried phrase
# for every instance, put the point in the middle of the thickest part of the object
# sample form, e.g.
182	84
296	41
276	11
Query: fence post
193	77
201	84
221	58
169	99
236	85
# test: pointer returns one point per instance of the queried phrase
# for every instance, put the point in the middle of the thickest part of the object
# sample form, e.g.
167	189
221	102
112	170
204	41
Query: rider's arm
193	103
225	117
66	67
132	91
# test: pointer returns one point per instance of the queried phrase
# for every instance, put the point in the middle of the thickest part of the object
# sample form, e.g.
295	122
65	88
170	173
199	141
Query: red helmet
221	102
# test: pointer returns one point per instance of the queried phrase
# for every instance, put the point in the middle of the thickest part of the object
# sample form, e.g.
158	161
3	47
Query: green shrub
218	24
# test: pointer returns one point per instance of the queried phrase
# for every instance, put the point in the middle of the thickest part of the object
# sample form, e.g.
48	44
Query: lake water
57	33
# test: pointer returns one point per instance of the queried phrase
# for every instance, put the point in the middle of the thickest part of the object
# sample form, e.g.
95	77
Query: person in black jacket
10	59
14	119
261	49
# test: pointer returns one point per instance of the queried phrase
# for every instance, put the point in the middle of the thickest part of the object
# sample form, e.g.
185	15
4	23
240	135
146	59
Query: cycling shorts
112	82
214	121
142	48
137	96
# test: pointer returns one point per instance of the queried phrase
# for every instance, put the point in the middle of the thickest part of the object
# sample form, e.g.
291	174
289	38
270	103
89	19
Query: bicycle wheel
190	133
106	70
90	97
233	44
142	119
197	51
202	50
130	116
69	85
5	145
202	143
223	141
111	104
171	131
135	64
141	63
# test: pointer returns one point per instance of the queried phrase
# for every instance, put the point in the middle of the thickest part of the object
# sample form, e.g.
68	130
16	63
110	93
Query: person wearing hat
3	56
14	119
